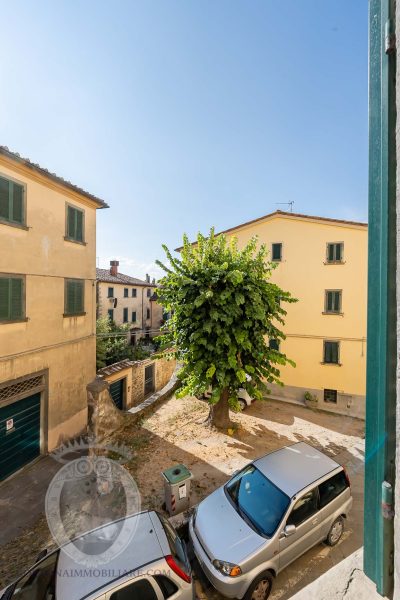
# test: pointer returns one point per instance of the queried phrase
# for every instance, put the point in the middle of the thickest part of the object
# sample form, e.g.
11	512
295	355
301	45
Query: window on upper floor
12	203
110	293
276	252
125	315
74	301
333	301
148	293
75	224
334	252
331	352
134	292
133	316
12	298
126	292
274	344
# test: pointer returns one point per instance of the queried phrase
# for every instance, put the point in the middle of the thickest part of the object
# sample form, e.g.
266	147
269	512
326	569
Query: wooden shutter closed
4	299
16	311
71	223
79	225
4	199
17	193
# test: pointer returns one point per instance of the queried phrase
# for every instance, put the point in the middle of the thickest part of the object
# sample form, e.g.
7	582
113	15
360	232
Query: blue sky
184	114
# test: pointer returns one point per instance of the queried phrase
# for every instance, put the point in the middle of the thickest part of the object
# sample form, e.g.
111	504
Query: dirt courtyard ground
176	433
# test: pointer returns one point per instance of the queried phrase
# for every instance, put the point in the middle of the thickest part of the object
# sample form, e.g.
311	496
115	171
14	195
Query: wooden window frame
272	252
336	364
77	314
333	312
23	318
67	238
334	262
10	222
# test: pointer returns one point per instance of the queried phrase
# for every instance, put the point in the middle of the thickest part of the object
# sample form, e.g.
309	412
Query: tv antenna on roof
290	204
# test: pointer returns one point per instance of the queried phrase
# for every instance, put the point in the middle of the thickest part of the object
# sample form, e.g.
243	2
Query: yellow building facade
323	263
129	301
47	309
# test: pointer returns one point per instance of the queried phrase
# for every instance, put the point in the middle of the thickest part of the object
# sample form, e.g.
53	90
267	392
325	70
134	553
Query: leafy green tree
111	342
224	311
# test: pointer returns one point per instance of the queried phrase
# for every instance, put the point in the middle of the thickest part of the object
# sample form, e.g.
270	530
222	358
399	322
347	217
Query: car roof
295	467
76	581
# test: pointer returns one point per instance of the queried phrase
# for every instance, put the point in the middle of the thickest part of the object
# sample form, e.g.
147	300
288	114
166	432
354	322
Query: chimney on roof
114	264
154	280
147	278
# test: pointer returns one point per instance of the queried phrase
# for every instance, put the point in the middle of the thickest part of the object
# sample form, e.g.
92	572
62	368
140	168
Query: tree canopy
224	311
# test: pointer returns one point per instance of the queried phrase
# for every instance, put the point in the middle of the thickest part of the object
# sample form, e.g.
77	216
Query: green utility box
177	488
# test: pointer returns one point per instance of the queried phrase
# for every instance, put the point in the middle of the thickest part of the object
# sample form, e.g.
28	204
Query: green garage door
19	434
117	393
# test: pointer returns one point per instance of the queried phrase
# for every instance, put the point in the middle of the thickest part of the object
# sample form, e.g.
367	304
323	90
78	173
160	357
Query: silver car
266	516
153	566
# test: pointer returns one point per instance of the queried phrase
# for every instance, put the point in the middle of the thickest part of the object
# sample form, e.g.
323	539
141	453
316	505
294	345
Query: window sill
338	314
23	320
71	316
17	225
67	239
334	262
327	364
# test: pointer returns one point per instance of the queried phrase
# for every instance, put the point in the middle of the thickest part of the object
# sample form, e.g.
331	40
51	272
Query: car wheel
261	587
335	532
242	404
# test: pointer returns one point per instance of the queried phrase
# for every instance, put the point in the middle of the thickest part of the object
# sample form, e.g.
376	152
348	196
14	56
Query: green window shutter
79	225
336	303
69	297
17	195
79	296
338	254
74	297
331	252
16	291
328	301
70	222
4	199
4	299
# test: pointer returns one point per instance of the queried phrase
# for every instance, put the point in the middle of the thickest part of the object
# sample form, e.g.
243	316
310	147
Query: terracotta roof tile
105	276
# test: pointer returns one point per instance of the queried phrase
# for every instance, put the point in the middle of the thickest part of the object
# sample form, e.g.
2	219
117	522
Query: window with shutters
12	202
75	224
331	353
125	317
12	298
333	301
274	344
134	317
74	297
334	252
276	252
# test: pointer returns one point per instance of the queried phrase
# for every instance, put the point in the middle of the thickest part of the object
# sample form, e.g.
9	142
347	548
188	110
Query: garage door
117	393
19	434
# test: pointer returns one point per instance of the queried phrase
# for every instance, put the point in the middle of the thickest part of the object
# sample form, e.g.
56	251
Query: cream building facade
128	300
323	263
47	309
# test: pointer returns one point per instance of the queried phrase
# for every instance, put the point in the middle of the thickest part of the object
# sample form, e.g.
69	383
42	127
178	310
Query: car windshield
38	583
257	500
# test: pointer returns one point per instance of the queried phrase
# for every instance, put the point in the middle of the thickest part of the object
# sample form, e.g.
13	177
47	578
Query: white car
244	398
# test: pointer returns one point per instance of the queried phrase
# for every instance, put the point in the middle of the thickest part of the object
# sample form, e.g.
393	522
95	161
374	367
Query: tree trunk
219	413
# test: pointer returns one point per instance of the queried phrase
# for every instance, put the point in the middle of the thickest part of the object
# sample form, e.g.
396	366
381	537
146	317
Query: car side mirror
289	530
